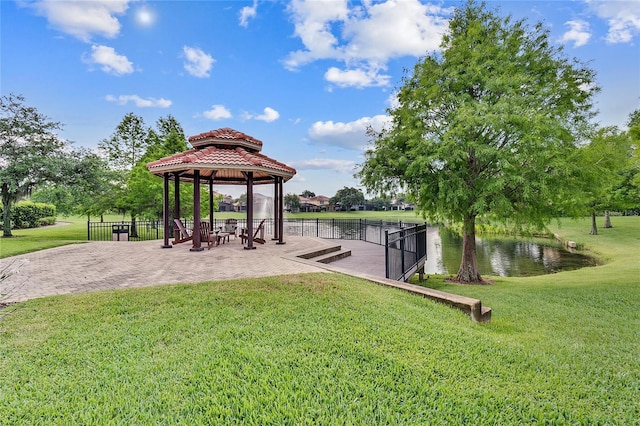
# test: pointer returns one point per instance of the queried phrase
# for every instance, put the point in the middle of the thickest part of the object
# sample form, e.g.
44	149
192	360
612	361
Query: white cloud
248	12
352	135
217	112
313	20
396	28
364	37
197	62
140	102
623	18
82	19
110	61
268	115
356	78
340	166
579	33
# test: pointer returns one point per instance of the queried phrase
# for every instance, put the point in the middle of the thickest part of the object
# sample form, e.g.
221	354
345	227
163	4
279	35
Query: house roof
223	156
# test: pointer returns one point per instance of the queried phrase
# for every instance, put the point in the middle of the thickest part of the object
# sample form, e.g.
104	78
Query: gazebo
224	157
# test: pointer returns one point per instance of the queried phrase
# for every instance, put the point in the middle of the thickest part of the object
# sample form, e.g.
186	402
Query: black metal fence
405	251
139	230
372	231
405	243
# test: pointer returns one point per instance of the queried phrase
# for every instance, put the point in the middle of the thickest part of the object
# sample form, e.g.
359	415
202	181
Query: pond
501	256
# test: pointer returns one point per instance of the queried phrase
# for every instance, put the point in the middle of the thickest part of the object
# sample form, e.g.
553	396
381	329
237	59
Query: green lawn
330	349
73	231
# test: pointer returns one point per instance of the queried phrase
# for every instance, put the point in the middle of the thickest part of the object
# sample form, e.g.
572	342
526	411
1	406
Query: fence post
402	237
386	253
88	230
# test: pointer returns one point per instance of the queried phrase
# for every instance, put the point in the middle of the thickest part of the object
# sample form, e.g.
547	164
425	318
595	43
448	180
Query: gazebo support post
276	209
250	245
196	212
165	211
280	202
211	201
176	204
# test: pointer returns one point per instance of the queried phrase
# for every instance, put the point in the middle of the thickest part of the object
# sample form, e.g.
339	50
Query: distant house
226	204
319	203
401	205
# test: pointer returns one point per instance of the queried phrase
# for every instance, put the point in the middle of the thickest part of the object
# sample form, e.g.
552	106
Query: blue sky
305	77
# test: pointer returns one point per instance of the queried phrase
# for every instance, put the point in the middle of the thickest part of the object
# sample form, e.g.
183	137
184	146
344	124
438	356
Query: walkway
114	265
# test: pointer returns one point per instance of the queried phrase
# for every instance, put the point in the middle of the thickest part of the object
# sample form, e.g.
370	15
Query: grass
29	240
331	349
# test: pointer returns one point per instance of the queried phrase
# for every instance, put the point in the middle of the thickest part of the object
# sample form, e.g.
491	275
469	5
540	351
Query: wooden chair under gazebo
224	157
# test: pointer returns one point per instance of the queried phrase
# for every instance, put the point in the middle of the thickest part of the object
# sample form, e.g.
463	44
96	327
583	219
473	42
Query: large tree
486	128
30	152
348	197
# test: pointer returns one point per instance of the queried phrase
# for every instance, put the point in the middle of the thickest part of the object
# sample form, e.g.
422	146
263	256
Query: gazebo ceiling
225	154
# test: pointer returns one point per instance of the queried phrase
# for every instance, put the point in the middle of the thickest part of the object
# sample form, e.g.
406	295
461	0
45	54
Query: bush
49	220
27	214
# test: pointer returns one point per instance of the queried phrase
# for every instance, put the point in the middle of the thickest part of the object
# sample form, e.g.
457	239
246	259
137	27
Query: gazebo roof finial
226	137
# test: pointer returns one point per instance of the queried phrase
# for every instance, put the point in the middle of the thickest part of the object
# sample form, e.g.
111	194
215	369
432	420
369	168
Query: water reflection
499	256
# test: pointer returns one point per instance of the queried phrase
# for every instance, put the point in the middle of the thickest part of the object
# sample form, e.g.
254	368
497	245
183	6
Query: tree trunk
6	212
594	227
468	272
607	220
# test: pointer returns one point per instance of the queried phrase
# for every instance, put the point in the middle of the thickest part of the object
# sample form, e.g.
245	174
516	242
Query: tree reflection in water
501	256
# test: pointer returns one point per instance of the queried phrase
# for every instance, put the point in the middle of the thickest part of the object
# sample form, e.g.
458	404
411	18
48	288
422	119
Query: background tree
348	197
89	187
380	203
485	129
127	144
603	162
291	201
167	125
242	199
30	152
308	194
144	190
634	134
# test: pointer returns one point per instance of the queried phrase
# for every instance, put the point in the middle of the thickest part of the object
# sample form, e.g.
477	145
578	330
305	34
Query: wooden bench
260	230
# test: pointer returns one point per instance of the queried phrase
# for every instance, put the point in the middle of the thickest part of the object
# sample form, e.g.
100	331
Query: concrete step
332	256
312	253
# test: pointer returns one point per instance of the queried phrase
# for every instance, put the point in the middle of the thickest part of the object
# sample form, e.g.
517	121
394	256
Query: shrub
27	214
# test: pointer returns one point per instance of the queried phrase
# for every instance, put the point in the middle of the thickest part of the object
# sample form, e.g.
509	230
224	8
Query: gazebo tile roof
211	157
228	136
